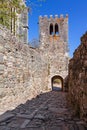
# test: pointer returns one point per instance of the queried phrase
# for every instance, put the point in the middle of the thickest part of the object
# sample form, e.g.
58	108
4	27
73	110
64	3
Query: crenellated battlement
53	25
53	16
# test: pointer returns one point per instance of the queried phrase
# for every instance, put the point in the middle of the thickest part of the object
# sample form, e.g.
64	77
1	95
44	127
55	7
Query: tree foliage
8	10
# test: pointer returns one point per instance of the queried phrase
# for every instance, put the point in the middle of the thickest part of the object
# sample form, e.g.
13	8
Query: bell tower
53	35
53	30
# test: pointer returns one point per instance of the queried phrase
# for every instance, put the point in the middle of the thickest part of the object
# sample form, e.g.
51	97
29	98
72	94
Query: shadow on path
48	111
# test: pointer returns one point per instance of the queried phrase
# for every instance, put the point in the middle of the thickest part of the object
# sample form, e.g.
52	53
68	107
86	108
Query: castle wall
23	71
77	79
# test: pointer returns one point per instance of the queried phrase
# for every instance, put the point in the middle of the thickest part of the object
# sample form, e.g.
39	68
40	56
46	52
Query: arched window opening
51	29
56	29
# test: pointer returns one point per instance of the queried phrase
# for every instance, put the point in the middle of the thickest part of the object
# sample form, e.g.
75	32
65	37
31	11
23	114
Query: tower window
56	29
51	29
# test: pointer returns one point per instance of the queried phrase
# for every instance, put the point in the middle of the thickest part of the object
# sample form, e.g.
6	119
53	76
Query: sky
76	10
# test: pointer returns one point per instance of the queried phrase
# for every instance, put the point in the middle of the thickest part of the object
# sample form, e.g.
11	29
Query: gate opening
57	83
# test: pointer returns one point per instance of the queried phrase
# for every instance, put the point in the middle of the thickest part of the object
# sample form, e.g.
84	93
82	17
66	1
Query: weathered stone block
1	78
1	68
1	85
1	58
1	49
85	63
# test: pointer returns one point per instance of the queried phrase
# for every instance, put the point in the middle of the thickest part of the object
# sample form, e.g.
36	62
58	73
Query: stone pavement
48	111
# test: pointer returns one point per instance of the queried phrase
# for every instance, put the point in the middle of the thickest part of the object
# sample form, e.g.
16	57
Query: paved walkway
47	111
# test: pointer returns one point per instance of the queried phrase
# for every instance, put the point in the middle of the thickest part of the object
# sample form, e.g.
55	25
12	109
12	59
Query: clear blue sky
77	11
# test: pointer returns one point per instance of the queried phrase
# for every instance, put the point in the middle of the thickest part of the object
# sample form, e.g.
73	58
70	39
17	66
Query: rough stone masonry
25	71
77	78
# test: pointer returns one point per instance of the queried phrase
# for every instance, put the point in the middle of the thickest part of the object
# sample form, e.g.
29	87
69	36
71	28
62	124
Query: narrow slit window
51	29
56	29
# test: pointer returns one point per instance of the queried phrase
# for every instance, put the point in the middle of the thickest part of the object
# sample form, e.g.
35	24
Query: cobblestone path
48	111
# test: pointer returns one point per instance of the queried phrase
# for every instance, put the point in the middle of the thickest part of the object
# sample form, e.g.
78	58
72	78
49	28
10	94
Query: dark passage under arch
57	83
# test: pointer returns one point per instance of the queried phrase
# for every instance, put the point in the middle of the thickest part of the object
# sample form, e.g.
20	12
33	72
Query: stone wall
25	71
77	79
22	70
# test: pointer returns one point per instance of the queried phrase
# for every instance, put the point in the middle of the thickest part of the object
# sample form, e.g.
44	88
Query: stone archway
57	83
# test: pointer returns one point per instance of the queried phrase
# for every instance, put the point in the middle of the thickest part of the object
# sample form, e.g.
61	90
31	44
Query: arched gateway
57	83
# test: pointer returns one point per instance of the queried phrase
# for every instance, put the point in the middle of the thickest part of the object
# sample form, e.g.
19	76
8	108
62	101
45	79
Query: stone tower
53	29
53	34
22	26
19	25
